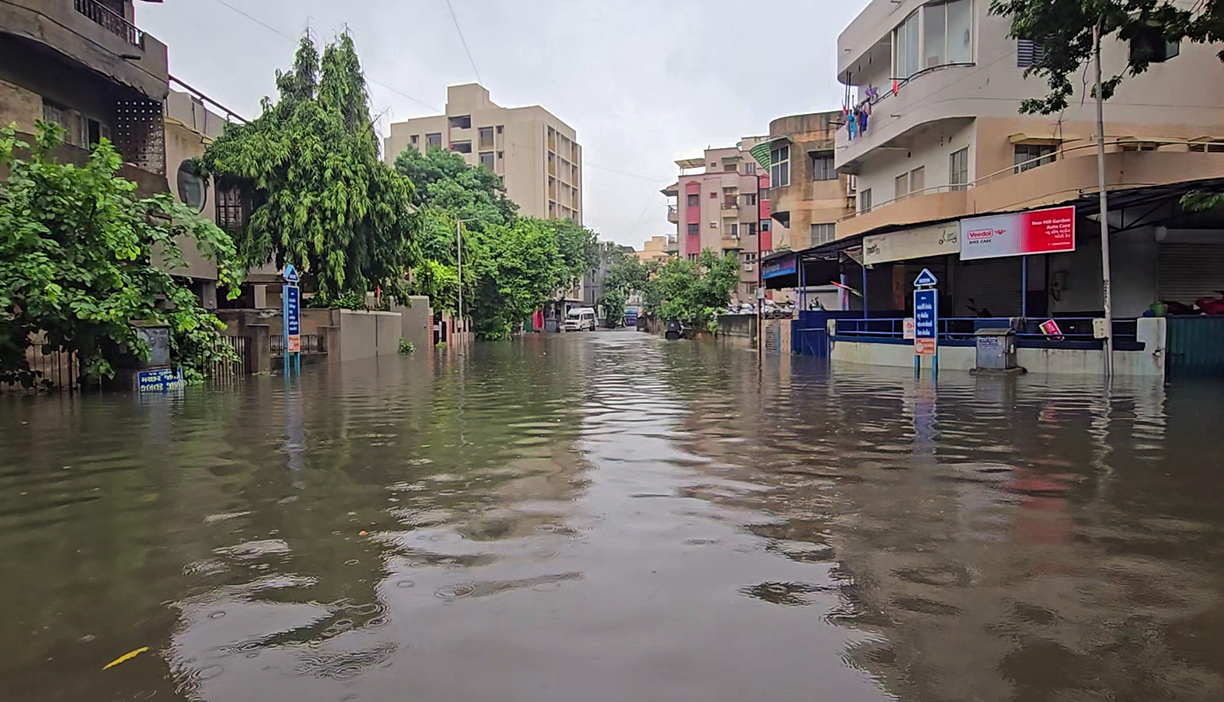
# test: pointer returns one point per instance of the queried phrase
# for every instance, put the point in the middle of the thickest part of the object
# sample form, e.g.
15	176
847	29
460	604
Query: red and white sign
295	343
924	347
911	329
1018	234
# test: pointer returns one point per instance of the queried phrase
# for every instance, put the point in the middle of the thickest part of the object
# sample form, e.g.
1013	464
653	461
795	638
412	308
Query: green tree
82	257
579	249
1063	30
444	181
319	195
693	291
519	267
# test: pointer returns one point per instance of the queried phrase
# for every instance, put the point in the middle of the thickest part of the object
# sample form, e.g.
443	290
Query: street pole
1107	287
459	258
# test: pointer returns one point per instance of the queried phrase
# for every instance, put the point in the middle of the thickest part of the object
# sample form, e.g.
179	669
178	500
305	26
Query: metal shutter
1190	271
993	284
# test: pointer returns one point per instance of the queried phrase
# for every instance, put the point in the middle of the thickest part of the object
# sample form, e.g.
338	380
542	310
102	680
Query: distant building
536	154
721	202
655	249
87	67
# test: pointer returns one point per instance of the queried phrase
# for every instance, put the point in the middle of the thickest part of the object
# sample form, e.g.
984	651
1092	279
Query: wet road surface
615	517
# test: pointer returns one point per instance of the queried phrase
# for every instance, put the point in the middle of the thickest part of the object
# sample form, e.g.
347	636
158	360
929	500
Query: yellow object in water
125	658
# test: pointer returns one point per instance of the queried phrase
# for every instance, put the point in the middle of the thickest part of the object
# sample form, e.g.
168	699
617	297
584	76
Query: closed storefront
1188	272
990	285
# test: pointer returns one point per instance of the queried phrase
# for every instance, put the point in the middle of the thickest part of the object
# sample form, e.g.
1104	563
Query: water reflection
610	517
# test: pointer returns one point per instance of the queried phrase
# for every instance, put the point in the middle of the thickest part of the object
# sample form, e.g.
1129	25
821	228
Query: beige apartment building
721	202
948	143
535	153
808	196
653	250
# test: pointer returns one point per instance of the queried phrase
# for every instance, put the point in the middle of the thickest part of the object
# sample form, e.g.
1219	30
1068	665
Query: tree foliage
512	265
82	257
319	195
692	291
1062	29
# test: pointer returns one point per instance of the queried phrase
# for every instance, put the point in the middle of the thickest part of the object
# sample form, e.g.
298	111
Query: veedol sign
1018	234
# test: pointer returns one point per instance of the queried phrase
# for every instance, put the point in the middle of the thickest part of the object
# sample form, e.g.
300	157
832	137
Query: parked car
579	319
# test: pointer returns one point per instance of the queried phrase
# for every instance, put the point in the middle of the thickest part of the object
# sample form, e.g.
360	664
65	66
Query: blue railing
1074	332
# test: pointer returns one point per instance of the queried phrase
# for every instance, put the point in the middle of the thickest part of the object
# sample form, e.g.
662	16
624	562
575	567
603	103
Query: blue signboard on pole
292	308
926	314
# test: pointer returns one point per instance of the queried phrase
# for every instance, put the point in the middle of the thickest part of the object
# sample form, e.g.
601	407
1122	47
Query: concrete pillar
259	348
331	341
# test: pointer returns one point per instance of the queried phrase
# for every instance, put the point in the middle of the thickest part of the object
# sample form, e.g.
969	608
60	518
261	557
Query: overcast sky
644	82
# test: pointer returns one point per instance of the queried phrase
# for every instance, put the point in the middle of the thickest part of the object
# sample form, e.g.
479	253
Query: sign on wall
921	242
1018	234
778	267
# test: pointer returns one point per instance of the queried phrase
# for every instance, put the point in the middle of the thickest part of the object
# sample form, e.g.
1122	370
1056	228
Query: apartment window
231	211
864	201
713	196
499	129
1149	44
729	198
487	160
713	225
958	169
735	230
944	36
901	187
779	166
461	122
192	190
486	137
463	147
823	233
416	139
1029	53
432	140
729	167
694	230
501	155
750	200
750	229
750	168
750	257
692	257
765	225
694	200
822	167
69	120
917	180
1027	156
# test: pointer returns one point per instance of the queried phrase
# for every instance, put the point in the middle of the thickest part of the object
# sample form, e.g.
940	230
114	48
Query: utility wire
278	32
464	41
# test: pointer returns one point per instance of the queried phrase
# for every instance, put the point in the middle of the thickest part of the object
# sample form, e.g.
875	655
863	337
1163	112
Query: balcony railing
112	21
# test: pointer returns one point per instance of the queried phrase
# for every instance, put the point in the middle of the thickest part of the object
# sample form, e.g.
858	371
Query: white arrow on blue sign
290	274
925	279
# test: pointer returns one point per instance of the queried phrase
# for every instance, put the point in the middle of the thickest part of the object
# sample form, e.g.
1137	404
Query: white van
579	319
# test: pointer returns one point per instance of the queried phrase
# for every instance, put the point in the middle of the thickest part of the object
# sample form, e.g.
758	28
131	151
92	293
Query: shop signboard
909	244
1018	234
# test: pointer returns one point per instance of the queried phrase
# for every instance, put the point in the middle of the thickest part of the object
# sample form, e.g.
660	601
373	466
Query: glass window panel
960	32
934	45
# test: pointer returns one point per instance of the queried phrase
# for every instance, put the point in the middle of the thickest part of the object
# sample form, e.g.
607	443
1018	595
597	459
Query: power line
278	32
626	173
464	41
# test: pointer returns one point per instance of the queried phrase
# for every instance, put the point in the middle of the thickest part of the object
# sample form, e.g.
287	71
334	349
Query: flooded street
610	517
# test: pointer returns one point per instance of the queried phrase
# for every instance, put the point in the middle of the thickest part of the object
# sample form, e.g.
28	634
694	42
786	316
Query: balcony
673	214
730	209
86	33
673	245
731	243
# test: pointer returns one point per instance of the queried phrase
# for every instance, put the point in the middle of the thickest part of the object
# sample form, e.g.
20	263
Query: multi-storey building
654	250
944	140
721	203
86	66
535	153
807	194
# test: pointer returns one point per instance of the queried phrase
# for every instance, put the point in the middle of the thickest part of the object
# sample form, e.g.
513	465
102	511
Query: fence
1074	332
312	344
57	367
231	371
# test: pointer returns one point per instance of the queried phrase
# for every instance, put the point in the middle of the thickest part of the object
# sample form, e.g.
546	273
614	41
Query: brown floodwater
615	517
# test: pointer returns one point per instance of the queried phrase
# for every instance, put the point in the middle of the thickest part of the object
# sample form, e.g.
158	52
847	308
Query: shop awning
1043	139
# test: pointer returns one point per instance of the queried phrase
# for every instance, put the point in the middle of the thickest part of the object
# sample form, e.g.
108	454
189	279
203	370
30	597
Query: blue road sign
926	313
293	310
926	279
290	275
